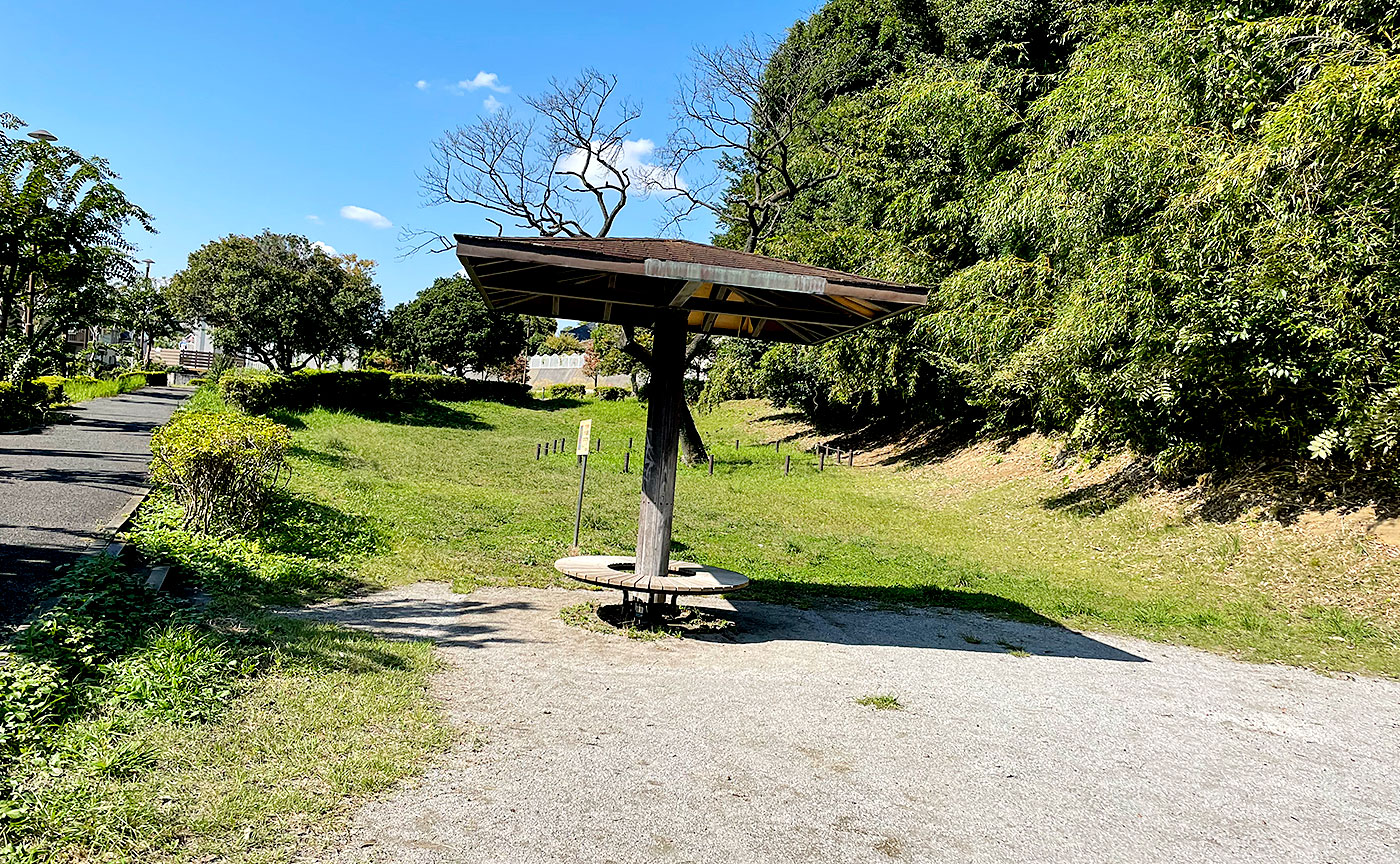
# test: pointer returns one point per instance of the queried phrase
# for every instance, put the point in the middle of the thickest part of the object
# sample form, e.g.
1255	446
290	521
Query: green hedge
565	391
259	392
22	405
53	389
612	394
220	466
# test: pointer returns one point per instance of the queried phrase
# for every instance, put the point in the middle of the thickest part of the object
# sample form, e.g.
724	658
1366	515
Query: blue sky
234	117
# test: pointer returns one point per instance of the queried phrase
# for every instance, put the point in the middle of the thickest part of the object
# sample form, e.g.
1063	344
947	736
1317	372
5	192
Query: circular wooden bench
682	577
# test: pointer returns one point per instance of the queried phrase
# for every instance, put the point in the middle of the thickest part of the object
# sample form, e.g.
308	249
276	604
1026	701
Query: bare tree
745	140
554	173
551	173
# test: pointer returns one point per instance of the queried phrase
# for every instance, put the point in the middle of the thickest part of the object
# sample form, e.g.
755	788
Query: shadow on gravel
453	621
913	618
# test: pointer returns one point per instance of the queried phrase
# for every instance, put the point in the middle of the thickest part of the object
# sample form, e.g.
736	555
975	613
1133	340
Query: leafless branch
745	145
553	172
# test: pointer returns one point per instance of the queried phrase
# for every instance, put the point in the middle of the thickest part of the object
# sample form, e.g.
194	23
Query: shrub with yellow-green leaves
220	467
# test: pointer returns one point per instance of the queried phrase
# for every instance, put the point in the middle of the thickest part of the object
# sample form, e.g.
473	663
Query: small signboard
585	438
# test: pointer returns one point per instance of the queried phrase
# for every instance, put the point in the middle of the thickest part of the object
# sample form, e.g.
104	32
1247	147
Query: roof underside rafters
722	292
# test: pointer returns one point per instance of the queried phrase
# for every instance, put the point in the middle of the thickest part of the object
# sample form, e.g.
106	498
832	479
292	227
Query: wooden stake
712	464
627	462
821	458
538	448
787	465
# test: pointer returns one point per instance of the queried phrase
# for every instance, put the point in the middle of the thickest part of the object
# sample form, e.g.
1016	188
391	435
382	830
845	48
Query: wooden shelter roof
626	280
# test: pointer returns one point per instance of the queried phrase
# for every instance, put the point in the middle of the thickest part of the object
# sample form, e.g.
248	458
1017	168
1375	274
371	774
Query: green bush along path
456	494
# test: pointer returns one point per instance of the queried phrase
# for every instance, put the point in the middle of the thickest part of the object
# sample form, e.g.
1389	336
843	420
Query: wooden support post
821	458
627	462
712	464
777	445
538	448
787	465
662	448
629	443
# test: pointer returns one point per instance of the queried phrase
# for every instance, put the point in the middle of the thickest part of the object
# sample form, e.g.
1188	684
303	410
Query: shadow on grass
1112	492
562	403
310	644
910	619
302	552
437	415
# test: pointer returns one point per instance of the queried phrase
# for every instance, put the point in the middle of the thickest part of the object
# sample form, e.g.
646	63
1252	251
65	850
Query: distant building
547	370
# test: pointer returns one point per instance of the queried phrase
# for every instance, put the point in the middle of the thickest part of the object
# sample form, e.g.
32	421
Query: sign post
585	437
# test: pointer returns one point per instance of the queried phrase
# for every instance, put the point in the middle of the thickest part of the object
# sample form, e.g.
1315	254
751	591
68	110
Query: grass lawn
83	388
454	493
335	716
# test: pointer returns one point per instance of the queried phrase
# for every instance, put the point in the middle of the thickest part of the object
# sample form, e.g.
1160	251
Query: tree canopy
280	298
448	326
1170	225
63	225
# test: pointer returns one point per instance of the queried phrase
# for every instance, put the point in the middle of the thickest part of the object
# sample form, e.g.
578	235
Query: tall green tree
63	245
1167	224
280	298
450	327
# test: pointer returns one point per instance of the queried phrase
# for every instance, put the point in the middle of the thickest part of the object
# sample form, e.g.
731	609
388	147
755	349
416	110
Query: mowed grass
455	494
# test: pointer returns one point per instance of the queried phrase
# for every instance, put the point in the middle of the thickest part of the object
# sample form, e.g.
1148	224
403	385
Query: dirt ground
1015	743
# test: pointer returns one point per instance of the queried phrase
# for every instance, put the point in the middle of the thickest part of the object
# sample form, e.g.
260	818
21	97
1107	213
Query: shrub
565	391
22	405
53	388
220	467
355	390
221	365
612	394
198	382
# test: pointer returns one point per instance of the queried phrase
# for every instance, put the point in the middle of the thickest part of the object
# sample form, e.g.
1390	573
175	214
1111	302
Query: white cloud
369	217
325	247
421	84
630	156
489	80
313	218
492	104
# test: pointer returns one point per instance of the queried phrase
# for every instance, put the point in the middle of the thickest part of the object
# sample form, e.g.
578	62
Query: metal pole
627	462
29	309
578	514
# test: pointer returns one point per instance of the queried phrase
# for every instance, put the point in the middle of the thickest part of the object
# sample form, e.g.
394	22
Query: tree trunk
665	402
692	445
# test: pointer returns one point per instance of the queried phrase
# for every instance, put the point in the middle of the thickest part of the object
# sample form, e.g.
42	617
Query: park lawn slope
455	493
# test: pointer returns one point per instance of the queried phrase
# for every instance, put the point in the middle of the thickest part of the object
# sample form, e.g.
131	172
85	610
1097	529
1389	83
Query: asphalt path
59	486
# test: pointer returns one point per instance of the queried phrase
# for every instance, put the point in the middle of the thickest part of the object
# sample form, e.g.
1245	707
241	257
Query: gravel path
60	485
589	747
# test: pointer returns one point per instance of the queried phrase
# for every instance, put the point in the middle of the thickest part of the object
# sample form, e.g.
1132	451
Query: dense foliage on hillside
1170	224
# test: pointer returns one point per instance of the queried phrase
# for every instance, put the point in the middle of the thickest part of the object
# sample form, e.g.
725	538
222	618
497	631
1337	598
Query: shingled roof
629	280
